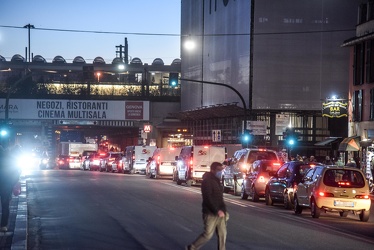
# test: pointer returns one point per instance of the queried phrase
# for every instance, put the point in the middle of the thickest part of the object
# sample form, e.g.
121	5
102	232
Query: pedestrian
351	163
9	176
312	159
215	215
328	161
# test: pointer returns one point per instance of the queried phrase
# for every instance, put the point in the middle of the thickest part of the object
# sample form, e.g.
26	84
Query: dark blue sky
154	18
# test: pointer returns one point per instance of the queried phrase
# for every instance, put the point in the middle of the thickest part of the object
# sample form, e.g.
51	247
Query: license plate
198	174
344	204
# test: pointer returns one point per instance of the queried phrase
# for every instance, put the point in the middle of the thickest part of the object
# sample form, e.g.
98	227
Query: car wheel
343	214
286	201
364	215
243	194
236	189
255	197
189	183
268	200
297	208
315	211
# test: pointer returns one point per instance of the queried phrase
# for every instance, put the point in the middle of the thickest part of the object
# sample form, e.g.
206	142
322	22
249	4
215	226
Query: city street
91	210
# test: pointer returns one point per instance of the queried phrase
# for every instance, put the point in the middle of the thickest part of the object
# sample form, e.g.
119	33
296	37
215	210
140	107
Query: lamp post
227	86
29	26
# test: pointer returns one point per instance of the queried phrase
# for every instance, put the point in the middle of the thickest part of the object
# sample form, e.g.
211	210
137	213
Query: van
136	158
162	163
194	161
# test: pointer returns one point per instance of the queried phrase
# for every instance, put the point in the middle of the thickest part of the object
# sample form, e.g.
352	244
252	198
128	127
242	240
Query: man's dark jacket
211	190
9	174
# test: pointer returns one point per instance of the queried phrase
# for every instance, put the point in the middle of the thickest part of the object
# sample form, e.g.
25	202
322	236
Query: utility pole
29	26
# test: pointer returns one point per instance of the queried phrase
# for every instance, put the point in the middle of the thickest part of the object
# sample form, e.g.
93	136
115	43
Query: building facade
283	57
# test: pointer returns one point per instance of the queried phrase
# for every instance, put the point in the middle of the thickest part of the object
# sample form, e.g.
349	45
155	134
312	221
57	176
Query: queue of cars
251	172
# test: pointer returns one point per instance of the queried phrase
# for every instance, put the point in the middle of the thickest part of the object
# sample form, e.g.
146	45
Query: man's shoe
3	229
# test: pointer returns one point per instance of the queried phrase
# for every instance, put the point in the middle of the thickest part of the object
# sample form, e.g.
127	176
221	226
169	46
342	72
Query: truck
75	148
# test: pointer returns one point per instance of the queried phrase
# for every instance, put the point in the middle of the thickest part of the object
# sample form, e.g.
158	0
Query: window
371	104
370	61
357	106
363	13
358	67
282	171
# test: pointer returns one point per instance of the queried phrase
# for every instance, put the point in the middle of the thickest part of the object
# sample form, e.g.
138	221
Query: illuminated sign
147	128
334	109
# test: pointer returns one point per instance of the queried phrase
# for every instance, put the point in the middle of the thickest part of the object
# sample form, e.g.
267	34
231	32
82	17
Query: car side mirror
176	158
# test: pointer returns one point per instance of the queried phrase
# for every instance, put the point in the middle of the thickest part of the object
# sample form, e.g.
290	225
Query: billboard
47	109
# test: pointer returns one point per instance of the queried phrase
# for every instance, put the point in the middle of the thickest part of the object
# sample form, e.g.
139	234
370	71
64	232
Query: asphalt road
75	209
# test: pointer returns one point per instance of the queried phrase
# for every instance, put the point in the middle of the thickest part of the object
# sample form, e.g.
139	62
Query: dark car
254	182
62	162
240	164
280	187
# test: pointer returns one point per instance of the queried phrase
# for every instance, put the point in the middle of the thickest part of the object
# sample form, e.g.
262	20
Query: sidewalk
16	237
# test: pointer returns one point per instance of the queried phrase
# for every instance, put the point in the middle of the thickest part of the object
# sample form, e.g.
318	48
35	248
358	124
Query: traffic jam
251	173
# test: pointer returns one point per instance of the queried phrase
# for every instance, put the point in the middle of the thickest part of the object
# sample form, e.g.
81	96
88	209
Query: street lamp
98	76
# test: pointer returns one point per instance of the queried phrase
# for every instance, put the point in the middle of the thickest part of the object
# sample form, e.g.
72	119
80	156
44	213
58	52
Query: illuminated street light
189	44
98	76
121	66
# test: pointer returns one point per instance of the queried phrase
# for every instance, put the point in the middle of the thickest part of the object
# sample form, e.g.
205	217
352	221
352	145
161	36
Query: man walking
214	209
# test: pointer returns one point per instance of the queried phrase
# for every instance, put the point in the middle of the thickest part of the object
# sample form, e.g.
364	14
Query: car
334	189
280	187
95	162
254	182
136	158
107	160
117	164
162	163
240	164
62	161
84	158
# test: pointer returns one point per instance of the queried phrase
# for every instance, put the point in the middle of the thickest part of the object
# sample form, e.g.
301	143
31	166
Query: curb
19	240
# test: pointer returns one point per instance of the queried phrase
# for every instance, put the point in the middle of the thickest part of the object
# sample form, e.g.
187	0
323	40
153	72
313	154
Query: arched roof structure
98	60
158	61
79	59
58	59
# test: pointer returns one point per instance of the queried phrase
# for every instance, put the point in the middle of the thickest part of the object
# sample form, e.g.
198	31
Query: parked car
194	161
241	164
334	189
254	182
162	163
280	187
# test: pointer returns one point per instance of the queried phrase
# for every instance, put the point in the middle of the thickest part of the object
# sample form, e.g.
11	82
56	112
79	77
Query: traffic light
290	137
173	79
246	138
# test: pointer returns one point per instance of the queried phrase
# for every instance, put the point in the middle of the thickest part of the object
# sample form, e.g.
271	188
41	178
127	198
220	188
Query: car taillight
261	179
362	196
344	183
325	194
158	160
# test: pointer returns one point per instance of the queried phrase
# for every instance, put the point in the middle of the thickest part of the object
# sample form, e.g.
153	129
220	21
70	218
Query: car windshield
343	178
261	155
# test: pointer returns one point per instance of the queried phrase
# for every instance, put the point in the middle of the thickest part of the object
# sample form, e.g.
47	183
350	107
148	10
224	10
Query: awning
328	141
350	144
